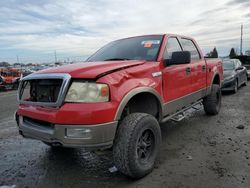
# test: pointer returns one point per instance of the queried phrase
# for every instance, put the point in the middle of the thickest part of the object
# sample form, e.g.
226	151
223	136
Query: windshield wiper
117	59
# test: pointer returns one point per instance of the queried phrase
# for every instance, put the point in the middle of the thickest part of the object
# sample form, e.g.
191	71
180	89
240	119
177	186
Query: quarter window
188	45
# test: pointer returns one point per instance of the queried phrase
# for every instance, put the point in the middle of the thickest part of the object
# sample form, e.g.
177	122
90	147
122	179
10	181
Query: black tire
236	86
245	83
212	102
137	145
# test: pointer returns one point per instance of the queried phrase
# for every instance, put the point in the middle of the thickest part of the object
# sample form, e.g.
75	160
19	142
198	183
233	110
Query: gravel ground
199	151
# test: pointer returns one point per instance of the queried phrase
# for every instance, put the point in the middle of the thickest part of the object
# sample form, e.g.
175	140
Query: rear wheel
212	102
137	144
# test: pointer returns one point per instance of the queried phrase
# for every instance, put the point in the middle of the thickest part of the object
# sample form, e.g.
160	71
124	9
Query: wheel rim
145	146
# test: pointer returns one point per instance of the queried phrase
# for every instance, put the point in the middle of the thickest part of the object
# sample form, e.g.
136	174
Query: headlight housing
230	77
88	92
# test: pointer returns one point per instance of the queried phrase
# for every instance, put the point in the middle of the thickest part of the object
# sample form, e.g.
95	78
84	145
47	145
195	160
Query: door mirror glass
181	57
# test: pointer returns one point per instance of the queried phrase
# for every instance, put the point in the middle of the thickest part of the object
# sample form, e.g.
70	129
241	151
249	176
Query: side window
236	64
172	46
188	45
239	63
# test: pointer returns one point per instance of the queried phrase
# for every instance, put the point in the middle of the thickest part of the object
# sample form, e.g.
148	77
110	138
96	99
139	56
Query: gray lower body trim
183	102
102	135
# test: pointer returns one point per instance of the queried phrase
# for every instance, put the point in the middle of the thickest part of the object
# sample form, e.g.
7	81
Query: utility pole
17	59
55	57
241	36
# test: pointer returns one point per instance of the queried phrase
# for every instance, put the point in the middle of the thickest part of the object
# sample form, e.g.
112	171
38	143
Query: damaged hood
92	69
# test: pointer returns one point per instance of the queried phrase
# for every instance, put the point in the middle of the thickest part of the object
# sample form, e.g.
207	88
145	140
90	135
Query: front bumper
101	135
228	85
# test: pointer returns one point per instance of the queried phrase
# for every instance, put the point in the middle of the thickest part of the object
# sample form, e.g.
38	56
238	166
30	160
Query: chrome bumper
101	135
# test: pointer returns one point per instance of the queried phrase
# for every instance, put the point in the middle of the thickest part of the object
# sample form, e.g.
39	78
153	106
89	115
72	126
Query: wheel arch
216	79
135	92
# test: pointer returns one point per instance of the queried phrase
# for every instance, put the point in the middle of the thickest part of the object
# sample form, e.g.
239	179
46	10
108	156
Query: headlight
229	77
87	92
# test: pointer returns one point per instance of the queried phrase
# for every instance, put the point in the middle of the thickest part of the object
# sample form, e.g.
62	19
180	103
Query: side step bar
180	115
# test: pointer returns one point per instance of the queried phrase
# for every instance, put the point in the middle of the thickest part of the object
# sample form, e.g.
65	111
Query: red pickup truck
119	96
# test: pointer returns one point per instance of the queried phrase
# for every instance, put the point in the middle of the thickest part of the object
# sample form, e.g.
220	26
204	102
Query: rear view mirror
181	57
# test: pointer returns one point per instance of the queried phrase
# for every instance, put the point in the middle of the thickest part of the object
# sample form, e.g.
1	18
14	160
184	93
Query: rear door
176	79
197	66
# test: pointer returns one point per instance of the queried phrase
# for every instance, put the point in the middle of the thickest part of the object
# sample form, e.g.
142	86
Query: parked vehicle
118	98
10	78
235	75
245	60
1	83
247	65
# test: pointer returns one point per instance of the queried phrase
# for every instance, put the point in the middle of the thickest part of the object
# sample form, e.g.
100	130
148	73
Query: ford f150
118	97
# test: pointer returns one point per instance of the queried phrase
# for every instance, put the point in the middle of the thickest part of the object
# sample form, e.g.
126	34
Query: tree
4	64
213	54
232	53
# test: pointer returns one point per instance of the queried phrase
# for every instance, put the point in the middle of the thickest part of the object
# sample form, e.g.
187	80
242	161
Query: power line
241	36
17	59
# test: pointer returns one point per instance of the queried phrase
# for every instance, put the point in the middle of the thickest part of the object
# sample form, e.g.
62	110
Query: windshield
136	48
228	65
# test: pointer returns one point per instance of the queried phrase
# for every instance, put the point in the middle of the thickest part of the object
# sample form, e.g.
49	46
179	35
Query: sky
31	31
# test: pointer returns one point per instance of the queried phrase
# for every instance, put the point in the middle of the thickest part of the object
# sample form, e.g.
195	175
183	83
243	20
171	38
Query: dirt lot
200	151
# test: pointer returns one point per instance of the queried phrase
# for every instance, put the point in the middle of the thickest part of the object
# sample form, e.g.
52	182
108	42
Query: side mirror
181	57
239	68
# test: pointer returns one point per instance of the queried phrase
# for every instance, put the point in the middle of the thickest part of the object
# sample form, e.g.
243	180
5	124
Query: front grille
43	89
46	90
39	123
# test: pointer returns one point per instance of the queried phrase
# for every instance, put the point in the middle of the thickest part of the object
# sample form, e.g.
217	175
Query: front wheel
245	83
137	145
236	86
212	102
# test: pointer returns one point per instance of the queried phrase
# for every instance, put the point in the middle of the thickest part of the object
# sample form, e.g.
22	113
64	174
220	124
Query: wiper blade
116	59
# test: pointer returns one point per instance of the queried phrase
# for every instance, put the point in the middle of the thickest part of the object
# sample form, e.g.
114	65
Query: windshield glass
228	65
136	48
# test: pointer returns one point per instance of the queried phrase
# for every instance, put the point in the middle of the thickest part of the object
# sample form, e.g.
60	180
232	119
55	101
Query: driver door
176	79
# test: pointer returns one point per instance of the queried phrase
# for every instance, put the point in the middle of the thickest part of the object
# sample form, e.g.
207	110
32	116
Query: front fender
134	92
125	84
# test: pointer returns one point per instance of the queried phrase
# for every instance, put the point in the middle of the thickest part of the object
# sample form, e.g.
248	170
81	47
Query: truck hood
92	69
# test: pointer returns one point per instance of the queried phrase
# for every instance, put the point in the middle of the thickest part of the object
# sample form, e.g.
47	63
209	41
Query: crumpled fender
124	81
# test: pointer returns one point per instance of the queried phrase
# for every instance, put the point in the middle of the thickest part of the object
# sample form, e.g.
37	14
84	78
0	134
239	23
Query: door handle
188	70
203	67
